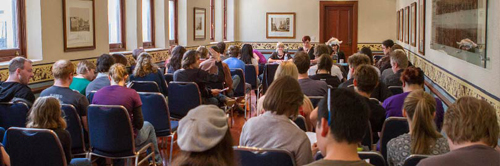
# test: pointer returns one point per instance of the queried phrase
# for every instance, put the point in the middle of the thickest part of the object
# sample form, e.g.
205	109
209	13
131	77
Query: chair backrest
368	138
301	122
263	157
315	100
395	89
2	133
373	158
74	128
13	114
184	96
144	86
392	128
414	159
169	77
110	131
27	147
240	89
90	97
155	111
269	72
251	76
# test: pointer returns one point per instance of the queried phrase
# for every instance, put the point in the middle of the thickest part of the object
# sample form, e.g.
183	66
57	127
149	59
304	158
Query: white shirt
335	71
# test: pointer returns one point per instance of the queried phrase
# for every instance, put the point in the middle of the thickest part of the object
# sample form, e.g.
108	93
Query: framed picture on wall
401	25
421	27
280	25
79	25
413	23
199	23
397	19
407	24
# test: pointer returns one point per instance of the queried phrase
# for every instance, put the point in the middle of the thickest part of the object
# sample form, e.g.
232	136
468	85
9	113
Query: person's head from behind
203	51
175	60
302	61
246	53
145	65
365	79
321	49
287	68
104	62
20	70
356	60
117	74
86	69
221	47
204	138
325	63
420	109
284	97
399	61
413	78
46	114
344	122
120	58
233	51
367	51
471	120
136	52
306	40
396	47
63	70
191	60
387	45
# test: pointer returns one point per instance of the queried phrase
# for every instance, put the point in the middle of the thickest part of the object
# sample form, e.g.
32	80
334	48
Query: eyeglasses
329	107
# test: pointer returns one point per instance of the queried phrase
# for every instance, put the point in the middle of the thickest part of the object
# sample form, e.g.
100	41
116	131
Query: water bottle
335	58
286	57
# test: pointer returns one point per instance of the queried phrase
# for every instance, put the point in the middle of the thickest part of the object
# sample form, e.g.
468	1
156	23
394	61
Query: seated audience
174	63
399	63
419	109
62	70
248	57
104	62
203	51
368	52
121	59
335	44
233	62
323	72
262	58
16	86
412	79
338	129
209	66
46	114
85	73
365	81
204	138
381	92
146	70
309	86
283	100
5	157
384	62
221	47
119	94
279	55
472	130
318	51
135	53
307	47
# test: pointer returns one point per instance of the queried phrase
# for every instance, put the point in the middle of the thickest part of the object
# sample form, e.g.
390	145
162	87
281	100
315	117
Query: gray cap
202	128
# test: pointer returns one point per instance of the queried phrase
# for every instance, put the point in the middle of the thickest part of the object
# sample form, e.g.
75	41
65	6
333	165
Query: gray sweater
277	131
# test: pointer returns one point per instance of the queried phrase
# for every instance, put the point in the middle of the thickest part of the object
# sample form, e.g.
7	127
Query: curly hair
175	61
46	114
145	65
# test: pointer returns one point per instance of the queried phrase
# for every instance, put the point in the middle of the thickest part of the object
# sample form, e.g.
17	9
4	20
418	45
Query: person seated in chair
323	72
310	87
209	65
399	63
118	94
174	63
318	51
85	73
146	70
104	62
16	86
279	55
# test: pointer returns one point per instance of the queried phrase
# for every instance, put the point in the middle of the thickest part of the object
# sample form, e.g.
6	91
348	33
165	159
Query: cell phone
225	89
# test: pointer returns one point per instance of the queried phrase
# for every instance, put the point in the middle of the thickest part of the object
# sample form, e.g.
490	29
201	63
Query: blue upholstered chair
144	86
2	133
395	89
263	157
169	77
315	100
184	96
28	147
75	129
301	123
414	159
13	114
392	128
269	72
240	90
251	77
111	134
373	158
91	96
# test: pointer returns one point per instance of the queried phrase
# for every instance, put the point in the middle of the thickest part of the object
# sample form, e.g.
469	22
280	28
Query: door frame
354	5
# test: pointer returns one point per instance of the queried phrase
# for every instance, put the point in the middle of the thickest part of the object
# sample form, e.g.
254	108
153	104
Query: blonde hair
278	45
471	119
420	108
117	72
145	65
284	97
84	67
287	68
46	114
62	69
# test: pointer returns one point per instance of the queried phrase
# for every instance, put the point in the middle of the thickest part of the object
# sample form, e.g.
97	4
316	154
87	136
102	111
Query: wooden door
340	19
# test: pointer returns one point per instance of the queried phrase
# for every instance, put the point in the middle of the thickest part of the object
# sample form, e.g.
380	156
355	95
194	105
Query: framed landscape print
421	27
413	24
79	25
280	25
199	25
407	25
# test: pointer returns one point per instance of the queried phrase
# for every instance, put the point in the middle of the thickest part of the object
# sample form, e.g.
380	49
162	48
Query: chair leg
171	149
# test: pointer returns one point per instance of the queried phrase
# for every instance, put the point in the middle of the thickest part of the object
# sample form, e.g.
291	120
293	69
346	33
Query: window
212	20
148	23
172	21
116	24
12	29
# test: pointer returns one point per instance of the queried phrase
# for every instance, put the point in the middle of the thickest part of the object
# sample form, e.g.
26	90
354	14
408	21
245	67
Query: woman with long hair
248	57
419	109
146	70
174	63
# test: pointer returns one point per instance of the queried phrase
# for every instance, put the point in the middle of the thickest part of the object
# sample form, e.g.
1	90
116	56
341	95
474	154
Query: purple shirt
394	108
118	95
262	58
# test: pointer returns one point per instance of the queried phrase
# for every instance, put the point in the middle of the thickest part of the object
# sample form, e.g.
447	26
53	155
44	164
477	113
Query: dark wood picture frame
401	25
398	24
212	20
413	22
407	24
123	44
421	27
268	36
65	26
204	26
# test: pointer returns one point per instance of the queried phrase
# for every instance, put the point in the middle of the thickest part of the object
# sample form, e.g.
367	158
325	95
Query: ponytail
420	108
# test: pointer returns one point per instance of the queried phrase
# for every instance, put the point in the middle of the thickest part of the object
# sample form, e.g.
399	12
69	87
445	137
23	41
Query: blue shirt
235	63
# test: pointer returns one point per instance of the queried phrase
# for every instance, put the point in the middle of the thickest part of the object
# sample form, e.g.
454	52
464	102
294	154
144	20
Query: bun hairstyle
413	76
118	72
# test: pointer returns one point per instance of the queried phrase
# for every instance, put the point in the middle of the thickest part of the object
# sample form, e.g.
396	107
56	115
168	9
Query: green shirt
79	84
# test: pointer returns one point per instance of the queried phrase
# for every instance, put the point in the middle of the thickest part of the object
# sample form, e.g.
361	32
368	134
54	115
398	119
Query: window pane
114	21
171	19
8	24
146	21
